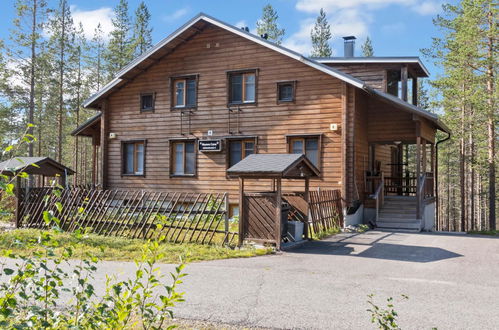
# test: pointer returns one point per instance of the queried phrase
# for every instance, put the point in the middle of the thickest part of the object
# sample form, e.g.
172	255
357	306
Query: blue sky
397	27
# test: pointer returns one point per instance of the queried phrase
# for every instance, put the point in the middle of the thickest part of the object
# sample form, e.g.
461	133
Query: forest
48	67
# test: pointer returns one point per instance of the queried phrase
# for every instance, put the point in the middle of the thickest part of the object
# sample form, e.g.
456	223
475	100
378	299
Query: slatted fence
325	210
180	217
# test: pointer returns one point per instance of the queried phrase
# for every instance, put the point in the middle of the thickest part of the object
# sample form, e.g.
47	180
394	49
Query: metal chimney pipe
349	46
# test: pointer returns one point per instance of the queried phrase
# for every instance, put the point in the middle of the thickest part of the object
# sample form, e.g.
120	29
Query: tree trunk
491	125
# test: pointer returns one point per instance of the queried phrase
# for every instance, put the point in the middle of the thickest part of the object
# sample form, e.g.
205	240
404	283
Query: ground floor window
183	158
240	149
133	157
307	145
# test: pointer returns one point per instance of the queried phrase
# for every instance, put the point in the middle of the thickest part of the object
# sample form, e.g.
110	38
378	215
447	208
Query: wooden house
210	94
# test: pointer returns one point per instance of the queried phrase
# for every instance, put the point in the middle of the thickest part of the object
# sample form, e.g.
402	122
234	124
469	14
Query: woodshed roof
34	165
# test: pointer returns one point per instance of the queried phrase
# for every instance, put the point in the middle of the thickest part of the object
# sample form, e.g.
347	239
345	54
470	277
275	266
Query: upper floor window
184	92
133	157
147	102
286	91
242	87
240	149
183	158
307	145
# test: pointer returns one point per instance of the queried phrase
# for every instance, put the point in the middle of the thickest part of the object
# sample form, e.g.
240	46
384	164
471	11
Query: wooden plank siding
318	104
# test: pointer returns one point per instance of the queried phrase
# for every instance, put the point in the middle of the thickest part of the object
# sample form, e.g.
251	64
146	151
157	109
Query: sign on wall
210	145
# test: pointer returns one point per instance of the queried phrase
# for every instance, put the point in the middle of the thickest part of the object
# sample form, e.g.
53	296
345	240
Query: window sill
146	110
193	107
132	175
241	103
285	101
183	176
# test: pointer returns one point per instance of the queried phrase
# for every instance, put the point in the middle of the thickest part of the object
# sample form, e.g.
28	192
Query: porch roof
287	166
34	165
85	129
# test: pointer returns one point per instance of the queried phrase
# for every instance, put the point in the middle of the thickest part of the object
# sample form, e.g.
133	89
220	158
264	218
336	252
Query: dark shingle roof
34	165
270	164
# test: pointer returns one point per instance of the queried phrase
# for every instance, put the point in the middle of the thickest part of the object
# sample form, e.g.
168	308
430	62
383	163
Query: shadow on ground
361	245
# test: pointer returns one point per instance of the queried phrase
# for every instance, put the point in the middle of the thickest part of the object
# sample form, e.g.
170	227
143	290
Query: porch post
424	154
278	214
104	132
18	201
415	90
418	173
307	199
404	76
242	218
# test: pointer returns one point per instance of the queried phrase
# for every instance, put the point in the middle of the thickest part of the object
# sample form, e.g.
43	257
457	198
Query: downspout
436	178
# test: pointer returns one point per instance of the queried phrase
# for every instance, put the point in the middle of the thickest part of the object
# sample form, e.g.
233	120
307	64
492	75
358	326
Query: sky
396	27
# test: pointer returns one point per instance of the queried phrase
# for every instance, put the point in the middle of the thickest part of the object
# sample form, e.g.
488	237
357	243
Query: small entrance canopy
285	166
261	214
34	166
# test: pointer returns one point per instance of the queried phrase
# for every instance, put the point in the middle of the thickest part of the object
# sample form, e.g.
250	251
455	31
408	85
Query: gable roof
274	165
34	165
194	26
80	130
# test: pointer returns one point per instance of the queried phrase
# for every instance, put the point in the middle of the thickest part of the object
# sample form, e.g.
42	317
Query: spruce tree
321	34
119	51
142	39
367	48
267	24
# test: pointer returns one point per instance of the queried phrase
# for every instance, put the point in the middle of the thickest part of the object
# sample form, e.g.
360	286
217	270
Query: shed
44	166
260	214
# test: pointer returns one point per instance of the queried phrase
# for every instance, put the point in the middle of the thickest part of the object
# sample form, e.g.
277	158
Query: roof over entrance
287	166
88	127
34	165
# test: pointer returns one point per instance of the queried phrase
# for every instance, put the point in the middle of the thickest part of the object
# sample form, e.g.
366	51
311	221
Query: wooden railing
403	185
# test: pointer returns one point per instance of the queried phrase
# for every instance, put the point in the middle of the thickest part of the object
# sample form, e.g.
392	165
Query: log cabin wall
361	142
387	124
318	104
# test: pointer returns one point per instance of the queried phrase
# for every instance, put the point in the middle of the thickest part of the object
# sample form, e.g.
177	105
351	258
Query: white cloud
343	22
428	7
176	14
395	28
91	18
423	7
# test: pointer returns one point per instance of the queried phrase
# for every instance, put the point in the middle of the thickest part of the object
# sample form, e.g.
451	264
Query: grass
325	233
122	249
485	232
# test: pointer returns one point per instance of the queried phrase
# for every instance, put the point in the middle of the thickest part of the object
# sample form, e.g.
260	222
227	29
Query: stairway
399	213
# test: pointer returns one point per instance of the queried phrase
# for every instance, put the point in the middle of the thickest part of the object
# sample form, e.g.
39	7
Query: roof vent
349	46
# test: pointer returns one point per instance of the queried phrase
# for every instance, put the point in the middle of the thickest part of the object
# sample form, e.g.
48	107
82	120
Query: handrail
379	195
420	194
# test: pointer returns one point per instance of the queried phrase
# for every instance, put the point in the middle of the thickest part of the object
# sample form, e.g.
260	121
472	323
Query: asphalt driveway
452	282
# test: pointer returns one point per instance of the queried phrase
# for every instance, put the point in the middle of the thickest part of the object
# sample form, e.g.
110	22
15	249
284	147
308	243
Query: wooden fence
180	217
325	210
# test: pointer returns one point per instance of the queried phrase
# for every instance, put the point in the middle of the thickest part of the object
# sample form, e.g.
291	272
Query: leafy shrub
383	318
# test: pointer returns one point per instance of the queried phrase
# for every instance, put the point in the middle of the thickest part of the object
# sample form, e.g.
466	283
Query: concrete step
398	219
406	225
398	210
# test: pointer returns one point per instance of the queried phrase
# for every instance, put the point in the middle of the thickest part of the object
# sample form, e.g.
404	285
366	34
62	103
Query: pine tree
119	50
26	38
61	43
321	34
367	48
142	39
267	24
96	60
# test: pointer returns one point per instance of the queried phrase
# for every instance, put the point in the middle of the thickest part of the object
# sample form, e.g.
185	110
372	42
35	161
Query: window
286	91
309	146
147	102
239	149
183	158
184	92
242	87
133	157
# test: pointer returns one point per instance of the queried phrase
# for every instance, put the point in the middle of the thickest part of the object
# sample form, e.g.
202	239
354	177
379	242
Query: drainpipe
436	177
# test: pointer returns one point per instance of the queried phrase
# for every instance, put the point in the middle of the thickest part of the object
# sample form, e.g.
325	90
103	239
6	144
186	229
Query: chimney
349	46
